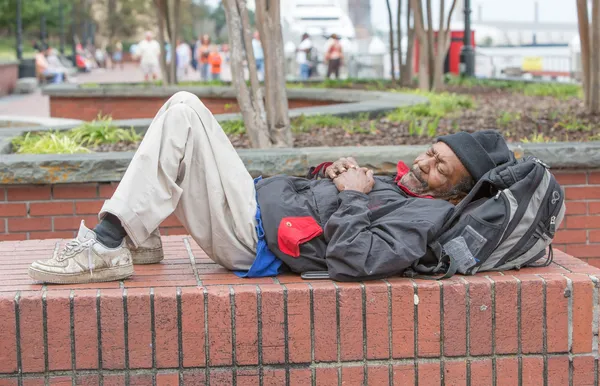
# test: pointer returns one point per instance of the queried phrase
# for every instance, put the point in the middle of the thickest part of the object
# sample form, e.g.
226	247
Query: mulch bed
517	116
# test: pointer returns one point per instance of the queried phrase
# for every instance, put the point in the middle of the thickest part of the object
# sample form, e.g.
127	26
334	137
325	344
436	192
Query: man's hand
360	180
340	166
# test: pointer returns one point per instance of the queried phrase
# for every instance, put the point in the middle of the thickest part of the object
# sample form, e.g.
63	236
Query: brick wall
88	108
54	211
187	321
579	233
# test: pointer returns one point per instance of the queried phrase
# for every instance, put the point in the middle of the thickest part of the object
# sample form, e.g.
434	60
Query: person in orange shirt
214	59
202	55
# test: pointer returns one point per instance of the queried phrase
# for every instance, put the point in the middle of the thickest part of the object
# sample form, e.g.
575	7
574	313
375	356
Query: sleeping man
341	218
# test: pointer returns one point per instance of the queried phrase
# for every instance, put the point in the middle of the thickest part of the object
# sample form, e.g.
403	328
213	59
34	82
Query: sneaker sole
99	275
147	256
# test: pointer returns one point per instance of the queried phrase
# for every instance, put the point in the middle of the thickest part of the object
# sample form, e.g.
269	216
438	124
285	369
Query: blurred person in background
148	50
202	55
334	55
184	56
117	55
259	56
215	60
303	56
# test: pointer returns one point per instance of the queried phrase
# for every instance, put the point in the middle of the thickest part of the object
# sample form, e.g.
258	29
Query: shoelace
75	246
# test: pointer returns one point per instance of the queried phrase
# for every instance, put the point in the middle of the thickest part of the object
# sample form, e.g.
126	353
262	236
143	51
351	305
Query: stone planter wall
47	196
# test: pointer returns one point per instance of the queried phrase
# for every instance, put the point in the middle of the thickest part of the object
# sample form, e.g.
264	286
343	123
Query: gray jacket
311	226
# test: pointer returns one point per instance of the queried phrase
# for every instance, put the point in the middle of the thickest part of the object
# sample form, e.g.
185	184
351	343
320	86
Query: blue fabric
304	71
266	263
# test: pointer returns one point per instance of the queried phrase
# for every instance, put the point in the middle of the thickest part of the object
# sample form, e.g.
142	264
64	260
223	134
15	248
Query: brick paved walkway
36	104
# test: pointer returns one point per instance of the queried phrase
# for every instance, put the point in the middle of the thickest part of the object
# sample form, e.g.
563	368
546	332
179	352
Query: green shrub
47	143
233	127
102	131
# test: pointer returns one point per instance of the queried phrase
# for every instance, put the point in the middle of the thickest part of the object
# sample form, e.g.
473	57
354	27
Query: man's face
436	173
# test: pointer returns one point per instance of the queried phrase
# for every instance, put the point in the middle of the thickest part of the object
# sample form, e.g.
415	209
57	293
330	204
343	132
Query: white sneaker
150	252
84	260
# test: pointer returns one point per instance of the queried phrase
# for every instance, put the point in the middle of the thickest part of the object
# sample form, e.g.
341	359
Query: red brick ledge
191	321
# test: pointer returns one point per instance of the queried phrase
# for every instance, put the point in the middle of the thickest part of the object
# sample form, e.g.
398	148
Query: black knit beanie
479	152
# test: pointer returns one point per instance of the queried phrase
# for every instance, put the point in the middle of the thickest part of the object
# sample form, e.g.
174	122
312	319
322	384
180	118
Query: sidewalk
37	105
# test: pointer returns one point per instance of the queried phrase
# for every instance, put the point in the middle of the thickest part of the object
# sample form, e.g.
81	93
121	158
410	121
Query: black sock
110	232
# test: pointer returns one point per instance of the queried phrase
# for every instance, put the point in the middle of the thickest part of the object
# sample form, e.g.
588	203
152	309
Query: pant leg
187	166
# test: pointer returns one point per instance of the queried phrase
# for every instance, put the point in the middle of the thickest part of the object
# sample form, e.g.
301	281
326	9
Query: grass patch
100	131
351	125
556	90
424	119
538	138
508	117
572	123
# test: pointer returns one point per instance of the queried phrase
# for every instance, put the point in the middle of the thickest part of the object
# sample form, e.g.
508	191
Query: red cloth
402	169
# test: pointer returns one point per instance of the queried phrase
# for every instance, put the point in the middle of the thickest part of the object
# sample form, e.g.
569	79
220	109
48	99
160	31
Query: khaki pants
187	166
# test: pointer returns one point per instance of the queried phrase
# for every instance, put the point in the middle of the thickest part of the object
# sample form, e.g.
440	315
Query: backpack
506	221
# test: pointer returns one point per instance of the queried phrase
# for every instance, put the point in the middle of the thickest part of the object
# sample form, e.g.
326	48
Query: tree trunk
250	102
442	46
159	6
407	71
174	36
399	38
584	38
430	43
595	62
268	21
391	24
423	45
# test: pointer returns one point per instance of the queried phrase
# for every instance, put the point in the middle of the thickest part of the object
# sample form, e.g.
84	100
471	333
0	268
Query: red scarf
402	169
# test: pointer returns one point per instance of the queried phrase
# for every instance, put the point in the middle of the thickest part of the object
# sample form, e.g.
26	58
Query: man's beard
415	174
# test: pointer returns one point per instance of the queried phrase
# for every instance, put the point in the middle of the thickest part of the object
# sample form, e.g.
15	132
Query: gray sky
497	10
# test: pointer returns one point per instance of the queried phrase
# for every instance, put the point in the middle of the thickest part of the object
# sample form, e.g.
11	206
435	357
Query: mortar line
390	335
312	333
337	330
285	334
467	327
571	295
72	334
192	258
233	334
126	332
152	327
545	329
365	332
442	354
493	296
283	366
45	334
206	338
416	330
18	337
99	332
180	332
259	332
519	334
